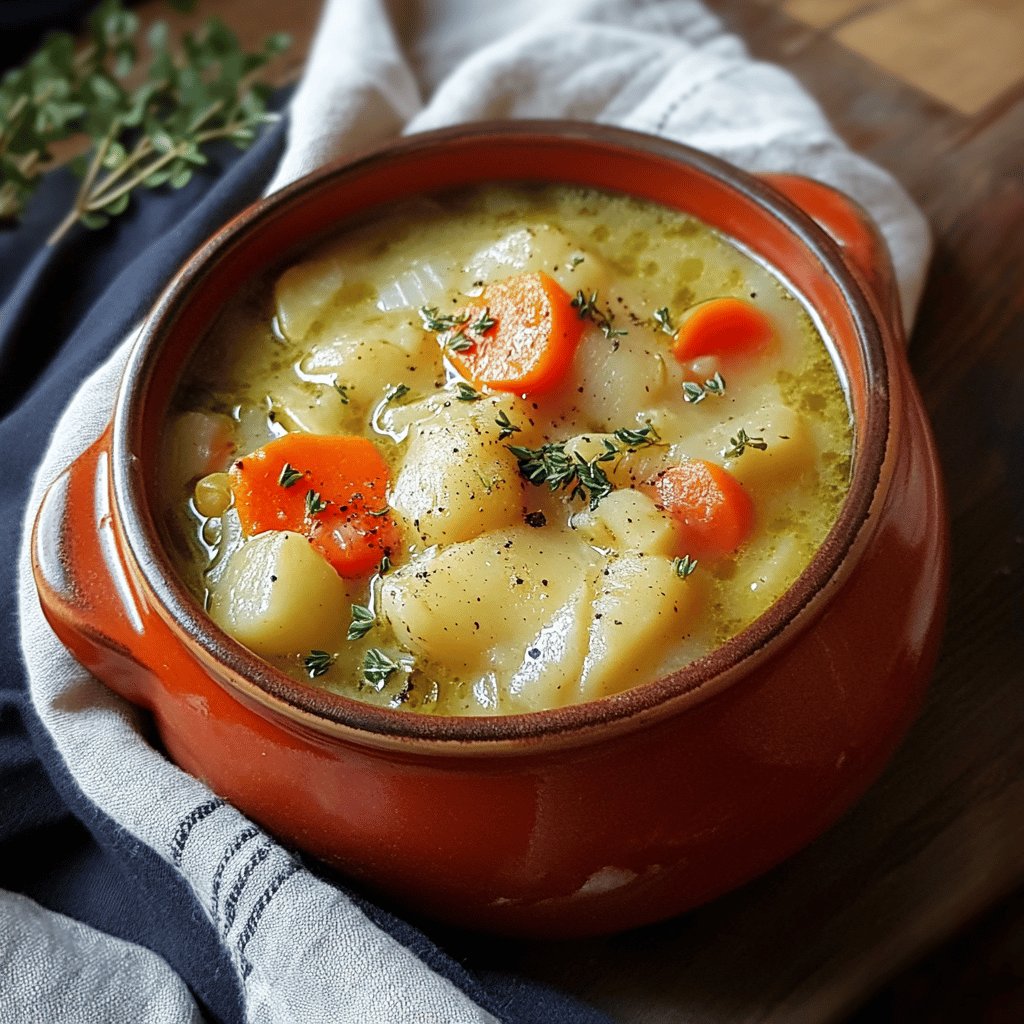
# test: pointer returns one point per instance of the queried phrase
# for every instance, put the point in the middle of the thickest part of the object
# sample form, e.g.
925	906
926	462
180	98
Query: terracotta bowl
585	819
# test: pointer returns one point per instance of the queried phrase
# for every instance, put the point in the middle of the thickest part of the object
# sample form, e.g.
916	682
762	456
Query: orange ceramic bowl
584	819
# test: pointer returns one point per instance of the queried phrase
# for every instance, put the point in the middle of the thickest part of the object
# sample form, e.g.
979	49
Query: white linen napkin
301	949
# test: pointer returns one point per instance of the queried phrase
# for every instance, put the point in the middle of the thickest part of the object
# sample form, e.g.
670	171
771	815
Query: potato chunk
513	603
458	480
304	292
279	596
642	606
790	450
628	520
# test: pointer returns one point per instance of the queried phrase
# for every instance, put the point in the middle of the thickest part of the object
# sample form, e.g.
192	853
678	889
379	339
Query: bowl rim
325	713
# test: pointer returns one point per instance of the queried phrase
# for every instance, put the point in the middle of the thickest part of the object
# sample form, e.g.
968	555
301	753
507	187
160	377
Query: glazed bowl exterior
579	820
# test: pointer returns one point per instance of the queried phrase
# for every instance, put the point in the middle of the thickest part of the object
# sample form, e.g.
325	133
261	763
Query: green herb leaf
290	475
363	620
466	392
317	663
342	390
314	503
684	566
397	392
584	307
552	466
484	323
378	667
694	392
435	321
742	441
459	343
508	428
663	319
384	566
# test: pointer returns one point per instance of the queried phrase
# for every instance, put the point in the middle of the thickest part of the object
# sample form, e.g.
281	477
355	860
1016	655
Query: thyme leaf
466	392
553	466
694	392
377	668
684	566
317	663
289	475
363	620
508	428
663	319
742	441
314	503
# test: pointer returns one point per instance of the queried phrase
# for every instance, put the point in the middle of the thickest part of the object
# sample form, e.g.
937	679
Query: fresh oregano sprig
143	133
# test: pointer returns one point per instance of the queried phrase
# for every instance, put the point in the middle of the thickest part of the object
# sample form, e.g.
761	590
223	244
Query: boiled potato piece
314	410
628	520
615	380
642	607
790	451
279	596
761	580
458	480
513	602
367	365
304	292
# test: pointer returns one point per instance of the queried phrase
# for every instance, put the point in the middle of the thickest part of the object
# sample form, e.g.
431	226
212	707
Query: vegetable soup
503	450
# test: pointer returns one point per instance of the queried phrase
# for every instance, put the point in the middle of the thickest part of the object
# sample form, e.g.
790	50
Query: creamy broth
539	546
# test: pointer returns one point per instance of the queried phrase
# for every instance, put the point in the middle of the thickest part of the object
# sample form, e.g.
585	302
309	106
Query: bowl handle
85	588
849	225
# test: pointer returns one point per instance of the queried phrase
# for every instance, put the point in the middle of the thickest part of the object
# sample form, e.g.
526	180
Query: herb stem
81	199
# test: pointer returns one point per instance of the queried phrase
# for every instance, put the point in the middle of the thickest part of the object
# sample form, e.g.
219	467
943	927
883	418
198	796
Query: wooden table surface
912	907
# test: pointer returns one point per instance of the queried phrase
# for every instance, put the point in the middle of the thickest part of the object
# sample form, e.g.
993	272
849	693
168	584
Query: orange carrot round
714	512
333	489
531	341
722	327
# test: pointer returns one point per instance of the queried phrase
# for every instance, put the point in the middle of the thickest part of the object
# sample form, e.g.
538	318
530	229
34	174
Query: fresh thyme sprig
694	392
741	442
194	91
465	392
289	475
559	469
587	309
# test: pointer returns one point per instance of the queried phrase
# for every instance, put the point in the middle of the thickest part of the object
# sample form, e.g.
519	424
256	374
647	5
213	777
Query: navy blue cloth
63	311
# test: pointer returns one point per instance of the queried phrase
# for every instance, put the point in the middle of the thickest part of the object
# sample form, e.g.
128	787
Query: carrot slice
722	327
713	510
532	340
333	489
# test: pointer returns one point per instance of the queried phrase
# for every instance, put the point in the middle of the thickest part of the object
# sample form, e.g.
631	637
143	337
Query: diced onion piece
420	285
